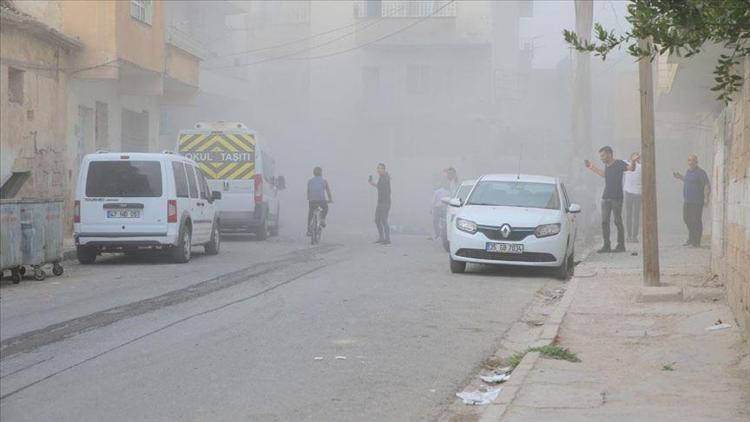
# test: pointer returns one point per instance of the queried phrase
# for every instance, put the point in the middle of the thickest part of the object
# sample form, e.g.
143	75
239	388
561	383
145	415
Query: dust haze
481	86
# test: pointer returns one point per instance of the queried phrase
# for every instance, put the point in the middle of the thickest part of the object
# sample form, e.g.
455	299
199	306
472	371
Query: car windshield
463	192
515	194
108	179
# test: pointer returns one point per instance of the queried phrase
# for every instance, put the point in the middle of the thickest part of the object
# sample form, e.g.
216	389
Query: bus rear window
117	179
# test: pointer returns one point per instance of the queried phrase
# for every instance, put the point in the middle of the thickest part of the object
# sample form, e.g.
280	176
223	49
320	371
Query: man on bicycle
317	190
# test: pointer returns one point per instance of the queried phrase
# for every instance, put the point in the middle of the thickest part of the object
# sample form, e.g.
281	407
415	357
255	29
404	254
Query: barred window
142	10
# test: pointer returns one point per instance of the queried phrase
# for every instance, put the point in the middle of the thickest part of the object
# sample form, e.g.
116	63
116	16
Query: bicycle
316	229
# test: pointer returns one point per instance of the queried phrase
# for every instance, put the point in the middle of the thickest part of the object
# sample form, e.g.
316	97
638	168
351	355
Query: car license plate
124	213
504	247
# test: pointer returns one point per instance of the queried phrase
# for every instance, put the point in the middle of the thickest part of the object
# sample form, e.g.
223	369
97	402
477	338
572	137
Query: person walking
612	197
383	186
317	189
696	192
632	188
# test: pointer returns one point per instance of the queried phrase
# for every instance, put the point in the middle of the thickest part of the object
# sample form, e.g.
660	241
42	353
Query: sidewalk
642	361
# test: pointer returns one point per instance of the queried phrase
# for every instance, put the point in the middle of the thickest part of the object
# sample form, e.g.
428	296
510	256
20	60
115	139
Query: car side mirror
215	195
454	202
280	183
574	208
446	200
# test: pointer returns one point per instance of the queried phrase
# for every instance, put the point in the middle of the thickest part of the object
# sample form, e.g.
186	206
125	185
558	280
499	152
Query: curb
496	411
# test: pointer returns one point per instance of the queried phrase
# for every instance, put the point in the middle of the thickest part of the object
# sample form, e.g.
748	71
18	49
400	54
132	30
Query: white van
131	201
236	163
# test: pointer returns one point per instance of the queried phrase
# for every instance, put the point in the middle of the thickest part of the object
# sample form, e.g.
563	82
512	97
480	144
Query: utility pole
581	114
650	251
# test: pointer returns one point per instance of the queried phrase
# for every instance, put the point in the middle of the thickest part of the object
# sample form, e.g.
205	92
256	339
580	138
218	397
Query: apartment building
81	76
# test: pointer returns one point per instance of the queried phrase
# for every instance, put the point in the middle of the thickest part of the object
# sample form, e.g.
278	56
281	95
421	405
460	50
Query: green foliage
551	351
683	28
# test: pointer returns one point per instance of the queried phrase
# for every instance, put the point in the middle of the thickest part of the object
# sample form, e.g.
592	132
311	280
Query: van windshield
515	194
108	179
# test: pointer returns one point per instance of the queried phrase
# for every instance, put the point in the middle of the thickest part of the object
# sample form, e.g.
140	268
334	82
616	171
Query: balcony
404	9
402	23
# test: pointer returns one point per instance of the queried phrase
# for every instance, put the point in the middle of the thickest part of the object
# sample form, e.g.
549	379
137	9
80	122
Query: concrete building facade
95	75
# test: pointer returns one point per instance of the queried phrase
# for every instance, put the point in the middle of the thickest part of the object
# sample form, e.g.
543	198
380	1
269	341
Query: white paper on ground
718	327
479	398
495	378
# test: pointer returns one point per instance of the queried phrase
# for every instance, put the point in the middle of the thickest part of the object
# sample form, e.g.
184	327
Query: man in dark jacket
384	205
696	190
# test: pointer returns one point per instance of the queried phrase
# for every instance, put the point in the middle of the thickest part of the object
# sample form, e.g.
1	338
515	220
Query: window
463	192
417	78
180	179
191	181
117	179
142	10
374	8
515	194
205	191
370	82
101	126
15	85
566	200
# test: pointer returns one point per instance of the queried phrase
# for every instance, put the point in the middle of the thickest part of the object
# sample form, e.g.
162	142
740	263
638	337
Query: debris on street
479	398
496	378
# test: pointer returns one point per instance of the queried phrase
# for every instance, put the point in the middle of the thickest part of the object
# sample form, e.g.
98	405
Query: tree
683	28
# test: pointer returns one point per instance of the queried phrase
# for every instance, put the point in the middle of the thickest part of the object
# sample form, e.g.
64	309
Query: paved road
236	336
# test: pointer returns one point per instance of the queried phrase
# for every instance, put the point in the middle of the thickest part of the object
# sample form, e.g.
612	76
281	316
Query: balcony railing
405	8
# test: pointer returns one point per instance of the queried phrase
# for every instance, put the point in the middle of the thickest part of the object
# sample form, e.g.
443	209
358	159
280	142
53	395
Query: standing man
612	197
632	188
696	191
317	189
384	205
453	182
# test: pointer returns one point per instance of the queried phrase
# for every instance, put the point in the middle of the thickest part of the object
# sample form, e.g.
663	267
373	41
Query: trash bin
42	237
11	256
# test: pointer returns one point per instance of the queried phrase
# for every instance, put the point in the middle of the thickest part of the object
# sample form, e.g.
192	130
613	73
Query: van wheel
86	254
457	267
212	247
274	231
181	252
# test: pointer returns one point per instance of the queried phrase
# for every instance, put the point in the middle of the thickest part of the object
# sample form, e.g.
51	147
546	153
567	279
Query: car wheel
212	247
563	272
457	267
86	254
181	252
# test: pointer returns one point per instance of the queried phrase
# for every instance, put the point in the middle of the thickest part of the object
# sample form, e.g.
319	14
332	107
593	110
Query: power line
289	56
294	53
309	37
402	29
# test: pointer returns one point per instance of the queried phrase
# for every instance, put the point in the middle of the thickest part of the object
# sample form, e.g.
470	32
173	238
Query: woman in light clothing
632	188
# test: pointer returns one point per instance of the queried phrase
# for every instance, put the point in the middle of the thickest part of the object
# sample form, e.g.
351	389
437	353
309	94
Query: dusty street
271	330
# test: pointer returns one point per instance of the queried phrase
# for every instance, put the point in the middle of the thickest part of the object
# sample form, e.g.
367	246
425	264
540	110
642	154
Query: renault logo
505	231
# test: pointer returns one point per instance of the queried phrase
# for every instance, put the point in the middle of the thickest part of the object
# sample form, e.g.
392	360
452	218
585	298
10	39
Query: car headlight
546	230
467	226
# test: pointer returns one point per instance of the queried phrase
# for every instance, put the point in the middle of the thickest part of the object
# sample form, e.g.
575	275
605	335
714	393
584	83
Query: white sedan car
515	220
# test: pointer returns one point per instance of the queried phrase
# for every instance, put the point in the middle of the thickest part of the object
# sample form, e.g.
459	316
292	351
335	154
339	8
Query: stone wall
736	261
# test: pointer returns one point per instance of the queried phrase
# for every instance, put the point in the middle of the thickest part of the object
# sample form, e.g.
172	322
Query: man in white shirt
632	188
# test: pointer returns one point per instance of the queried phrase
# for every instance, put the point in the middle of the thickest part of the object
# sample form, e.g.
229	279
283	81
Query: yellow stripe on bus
243	168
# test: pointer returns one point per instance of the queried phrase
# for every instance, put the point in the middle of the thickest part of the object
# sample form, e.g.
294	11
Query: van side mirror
215	195
574	208
455	202
280	183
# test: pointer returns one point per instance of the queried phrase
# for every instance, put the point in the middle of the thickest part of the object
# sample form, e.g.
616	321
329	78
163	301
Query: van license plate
124	213
504	247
